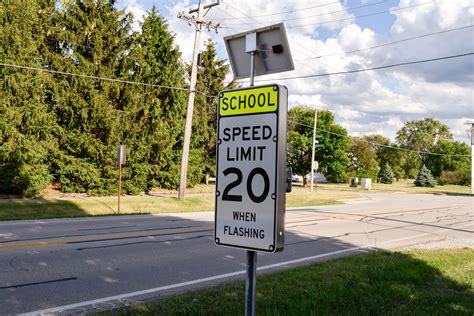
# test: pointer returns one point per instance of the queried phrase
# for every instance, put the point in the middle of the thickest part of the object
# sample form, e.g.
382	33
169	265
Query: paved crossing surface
79	265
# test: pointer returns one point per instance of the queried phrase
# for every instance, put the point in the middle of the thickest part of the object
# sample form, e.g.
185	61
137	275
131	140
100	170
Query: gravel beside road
446	243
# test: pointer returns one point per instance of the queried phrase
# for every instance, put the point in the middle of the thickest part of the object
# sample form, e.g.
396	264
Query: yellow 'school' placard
248	101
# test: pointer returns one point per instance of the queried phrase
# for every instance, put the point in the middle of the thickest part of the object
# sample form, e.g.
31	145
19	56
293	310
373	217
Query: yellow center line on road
55	242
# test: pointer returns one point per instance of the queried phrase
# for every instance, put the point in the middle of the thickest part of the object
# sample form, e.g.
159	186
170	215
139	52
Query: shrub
458	177
25	180
424	178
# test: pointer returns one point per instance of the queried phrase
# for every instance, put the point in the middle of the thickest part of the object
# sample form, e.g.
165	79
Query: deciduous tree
332	158
363	159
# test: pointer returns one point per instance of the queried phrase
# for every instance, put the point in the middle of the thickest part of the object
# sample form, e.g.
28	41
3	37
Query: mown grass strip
415	282
102	206
405	185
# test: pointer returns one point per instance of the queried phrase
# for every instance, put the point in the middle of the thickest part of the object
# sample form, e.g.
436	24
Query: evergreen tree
28	129
386	174
424	178
157	113
94	40
212	73
65	129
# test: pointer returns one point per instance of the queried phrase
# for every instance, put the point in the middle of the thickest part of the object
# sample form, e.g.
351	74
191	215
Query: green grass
415	282
402	186
19	209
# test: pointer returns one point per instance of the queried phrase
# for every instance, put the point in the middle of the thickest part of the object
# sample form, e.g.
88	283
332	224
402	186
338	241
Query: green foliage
65	129
299	154
363	159
388	152
210	81
154	135
420	136
386	174
453	156
28	128
459	177
424	178
332	158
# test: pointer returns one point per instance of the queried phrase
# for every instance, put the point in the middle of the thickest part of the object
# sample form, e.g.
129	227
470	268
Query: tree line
61	117
64	129
419	143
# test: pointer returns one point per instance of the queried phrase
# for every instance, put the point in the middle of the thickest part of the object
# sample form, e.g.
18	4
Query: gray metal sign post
251	283
251	151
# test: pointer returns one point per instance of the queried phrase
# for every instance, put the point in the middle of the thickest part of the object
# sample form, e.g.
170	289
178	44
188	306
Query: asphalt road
76	265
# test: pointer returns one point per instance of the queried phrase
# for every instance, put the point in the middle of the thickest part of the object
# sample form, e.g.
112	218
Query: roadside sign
121	155
251	168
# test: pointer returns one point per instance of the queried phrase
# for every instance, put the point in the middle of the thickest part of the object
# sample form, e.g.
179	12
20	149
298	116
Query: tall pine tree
94	40
211	80
157	113
28	129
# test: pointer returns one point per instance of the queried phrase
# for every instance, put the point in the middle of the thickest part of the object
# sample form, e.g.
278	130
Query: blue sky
369	102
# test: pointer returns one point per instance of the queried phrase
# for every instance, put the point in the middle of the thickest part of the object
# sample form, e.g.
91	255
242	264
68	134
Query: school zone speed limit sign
251	168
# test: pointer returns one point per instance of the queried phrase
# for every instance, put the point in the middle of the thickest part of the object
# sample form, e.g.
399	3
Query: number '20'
238	198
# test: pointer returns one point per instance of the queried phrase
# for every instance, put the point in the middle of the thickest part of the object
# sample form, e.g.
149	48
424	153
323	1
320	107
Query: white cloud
430	18
367	102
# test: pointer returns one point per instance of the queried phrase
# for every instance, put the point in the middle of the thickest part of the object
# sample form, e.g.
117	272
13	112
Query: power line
241	19
364	15
382	145
296	49
183	89
355	17
91	77
304	53
105	78
284	12
320	14
100	78
299	50
391	43
373	68
199	24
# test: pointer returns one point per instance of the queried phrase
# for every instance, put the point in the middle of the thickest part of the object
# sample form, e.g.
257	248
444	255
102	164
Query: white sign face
248	192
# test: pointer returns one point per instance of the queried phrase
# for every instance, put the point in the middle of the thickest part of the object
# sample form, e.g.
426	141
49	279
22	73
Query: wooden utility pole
199	23
471	134
314	148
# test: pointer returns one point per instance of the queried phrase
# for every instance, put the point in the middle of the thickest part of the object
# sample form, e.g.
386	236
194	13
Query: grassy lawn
415	282
156	203
402	186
